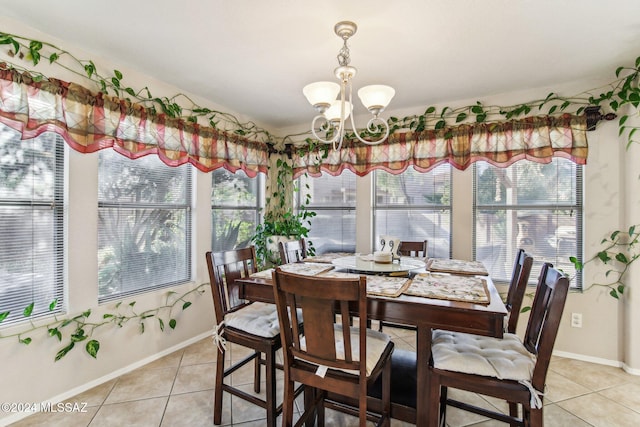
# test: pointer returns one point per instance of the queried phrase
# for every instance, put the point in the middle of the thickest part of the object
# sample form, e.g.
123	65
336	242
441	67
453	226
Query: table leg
422	374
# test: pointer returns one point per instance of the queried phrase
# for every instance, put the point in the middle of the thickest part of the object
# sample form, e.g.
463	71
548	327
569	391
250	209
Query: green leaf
118	74
615	234
141	327
161	324
90	69
28	310
622	258
476	109
107	316
553	109
186	305
638	62
621	289
632	230
525	309
63	352
613	293
4	315
172	323
132	303
54	332
430	110
53	58
130	91
25	341
618	70
115	82
603	256
92	348
52	304
461	117
439	124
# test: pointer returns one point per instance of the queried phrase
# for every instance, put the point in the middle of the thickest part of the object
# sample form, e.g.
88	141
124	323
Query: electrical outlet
576	320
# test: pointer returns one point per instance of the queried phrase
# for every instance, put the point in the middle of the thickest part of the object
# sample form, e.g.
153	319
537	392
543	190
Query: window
537	207
415	206
236	201
333	199
31	223
144	225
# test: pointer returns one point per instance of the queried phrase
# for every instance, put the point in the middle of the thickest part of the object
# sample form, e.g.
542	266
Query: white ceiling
254	56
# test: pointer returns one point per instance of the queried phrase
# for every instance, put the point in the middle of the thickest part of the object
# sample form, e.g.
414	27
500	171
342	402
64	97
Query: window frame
186	207
58	206
258	209
578	208
377	206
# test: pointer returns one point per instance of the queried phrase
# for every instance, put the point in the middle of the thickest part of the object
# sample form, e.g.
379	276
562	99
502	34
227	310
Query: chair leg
386	391
217	393
288	402
434	400
320	407
513	411
443	406
535	418
270	358
256	373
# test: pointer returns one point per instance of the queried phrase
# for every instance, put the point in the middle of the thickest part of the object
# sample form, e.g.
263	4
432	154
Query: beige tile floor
177	390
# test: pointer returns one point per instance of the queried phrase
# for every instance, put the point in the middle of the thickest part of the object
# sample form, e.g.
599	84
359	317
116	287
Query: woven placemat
457	266
450	287
384	286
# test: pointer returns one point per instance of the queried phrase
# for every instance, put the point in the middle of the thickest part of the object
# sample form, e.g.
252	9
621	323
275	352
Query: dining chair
507	368
292	251
250	324
414	249
331	356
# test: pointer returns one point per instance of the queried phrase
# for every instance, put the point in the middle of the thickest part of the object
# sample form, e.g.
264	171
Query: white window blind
533	206
144	225
31	224
333	199
236	200
415	206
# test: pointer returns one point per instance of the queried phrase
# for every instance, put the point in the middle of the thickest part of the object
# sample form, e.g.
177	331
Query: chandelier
333	112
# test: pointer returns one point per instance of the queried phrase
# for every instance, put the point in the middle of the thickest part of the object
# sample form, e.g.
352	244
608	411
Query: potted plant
280	222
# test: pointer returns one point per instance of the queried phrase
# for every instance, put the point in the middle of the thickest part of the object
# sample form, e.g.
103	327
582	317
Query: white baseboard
591	359
84	387
630	370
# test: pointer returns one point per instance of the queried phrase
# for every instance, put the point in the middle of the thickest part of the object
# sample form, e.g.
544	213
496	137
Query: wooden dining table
425	314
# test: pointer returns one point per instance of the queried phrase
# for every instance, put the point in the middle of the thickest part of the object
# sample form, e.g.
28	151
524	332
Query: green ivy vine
80	328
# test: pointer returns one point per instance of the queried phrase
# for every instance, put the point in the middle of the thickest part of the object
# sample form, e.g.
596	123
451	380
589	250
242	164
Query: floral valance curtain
533	138
92	121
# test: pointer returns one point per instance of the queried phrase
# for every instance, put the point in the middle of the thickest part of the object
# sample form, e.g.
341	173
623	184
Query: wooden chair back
224	268
544	321
414	249
316	300
293	251
517	288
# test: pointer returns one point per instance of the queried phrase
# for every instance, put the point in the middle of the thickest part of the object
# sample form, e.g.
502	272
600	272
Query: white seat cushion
376	344
505	358
259	319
